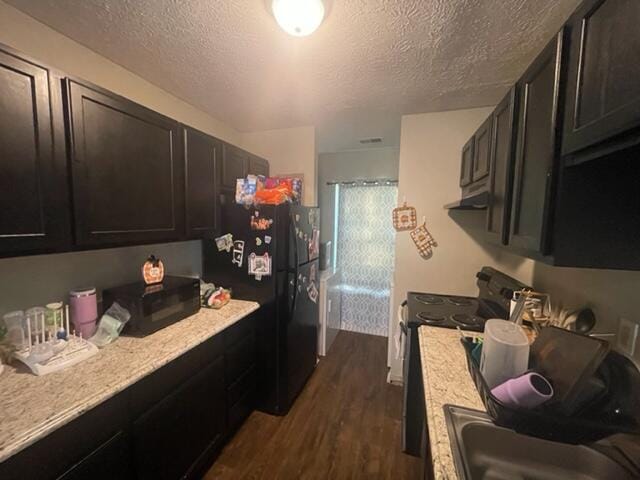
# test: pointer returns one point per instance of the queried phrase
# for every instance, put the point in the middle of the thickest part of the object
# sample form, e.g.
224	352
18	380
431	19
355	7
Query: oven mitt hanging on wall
423	240
404	218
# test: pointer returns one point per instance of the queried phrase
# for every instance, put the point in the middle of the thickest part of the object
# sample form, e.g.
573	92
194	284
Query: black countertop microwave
153	307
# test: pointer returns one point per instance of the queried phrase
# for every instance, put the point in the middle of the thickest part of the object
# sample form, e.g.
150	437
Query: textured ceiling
368	63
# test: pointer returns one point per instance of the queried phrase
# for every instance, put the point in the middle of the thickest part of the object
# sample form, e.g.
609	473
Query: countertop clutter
33	407
446	381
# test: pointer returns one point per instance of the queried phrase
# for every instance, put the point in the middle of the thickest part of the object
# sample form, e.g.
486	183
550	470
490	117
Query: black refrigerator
269	254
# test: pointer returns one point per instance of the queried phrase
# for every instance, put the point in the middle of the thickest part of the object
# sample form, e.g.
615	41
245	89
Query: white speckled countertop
32	407
446	381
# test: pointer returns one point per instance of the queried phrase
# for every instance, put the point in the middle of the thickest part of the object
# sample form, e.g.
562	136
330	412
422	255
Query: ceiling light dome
298	17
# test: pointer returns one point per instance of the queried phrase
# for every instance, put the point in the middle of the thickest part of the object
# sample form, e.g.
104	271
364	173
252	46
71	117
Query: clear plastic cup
15	323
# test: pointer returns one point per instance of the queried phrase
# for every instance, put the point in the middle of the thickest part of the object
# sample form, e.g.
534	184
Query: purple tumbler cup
84	310
527	391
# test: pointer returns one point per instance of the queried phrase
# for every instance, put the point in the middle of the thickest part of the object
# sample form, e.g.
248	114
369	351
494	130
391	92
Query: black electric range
469	313
495	291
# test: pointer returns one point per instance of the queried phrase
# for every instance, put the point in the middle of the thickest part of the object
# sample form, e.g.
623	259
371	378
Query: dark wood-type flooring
346	424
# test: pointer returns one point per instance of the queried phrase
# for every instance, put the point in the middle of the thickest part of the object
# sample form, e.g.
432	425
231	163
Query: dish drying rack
49	353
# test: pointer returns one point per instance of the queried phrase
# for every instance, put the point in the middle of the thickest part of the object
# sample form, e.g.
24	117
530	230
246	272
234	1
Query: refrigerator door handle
296	271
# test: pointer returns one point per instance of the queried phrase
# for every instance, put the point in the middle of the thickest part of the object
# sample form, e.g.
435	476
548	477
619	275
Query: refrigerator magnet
225	242
258	241
267	239
238	252
312	291
259	265
260	223
297	217
314	244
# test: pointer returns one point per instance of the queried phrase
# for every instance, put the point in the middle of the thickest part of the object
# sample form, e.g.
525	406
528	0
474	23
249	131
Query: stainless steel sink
485	451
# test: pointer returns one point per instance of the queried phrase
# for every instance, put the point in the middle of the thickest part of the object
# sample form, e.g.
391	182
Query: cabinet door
201	154
537	152
234	165
171	438
503	141
603	93
127	169
109	461
258	166
466	166
33	181
482	150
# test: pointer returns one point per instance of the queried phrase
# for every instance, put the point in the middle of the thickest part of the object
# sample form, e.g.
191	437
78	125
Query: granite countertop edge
446	380
29	436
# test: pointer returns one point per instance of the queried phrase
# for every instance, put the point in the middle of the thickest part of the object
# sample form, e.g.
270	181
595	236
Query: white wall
289	151
430	149
29	36
610	293
364	164
37	280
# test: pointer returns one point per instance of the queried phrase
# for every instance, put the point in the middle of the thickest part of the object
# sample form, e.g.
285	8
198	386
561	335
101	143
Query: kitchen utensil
568	360
84	310
505	352
35	316
528	391
585	321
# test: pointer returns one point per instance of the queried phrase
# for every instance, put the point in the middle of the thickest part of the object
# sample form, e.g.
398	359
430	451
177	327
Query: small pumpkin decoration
152	270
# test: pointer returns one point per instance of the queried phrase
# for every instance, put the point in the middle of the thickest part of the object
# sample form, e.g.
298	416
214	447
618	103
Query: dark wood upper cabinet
466	165
537	152
503	140
258	166
33	180
482	151
127	170
603	87
201	156
235	163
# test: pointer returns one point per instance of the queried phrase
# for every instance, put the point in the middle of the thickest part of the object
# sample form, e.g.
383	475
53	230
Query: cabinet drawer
109	461
165	380
239	330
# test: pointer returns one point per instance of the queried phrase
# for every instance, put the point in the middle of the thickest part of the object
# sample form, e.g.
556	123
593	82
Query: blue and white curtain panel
366	240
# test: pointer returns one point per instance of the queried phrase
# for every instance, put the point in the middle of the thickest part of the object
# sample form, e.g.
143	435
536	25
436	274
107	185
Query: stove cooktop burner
429	299
431	318
466	320
460	301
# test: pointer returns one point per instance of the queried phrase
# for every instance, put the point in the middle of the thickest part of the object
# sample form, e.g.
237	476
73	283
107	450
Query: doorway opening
365	255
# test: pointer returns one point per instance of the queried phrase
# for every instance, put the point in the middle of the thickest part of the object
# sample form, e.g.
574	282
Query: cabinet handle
329	307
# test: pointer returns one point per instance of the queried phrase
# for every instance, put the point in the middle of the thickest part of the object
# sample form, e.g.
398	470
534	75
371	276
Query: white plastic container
505	352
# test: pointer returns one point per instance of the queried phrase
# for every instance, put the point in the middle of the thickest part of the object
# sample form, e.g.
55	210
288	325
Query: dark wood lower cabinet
109	461
169	439
170	425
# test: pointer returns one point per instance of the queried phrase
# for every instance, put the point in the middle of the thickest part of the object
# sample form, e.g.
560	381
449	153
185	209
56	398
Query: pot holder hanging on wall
424	240
404	218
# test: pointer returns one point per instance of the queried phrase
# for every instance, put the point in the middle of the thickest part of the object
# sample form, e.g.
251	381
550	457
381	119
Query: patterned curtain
365	256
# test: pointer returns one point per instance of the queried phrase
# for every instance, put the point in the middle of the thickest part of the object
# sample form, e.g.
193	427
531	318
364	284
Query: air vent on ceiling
367	141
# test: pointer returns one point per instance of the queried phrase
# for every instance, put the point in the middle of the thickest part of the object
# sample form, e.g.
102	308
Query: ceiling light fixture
298	17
